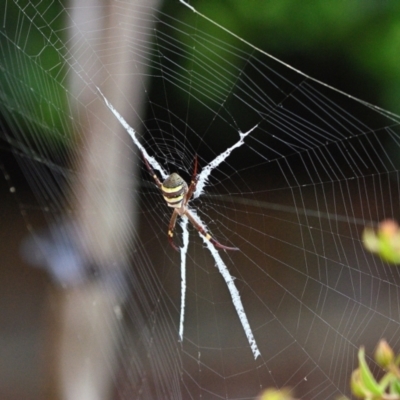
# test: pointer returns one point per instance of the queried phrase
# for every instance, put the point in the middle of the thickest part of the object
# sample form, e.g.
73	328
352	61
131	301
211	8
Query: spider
177	194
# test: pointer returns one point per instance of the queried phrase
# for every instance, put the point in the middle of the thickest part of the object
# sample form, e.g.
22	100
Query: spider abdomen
174	189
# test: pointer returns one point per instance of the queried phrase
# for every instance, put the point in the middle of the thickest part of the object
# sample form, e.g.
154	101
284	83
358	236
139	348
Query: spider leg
193	183
206	234
171	228
152	173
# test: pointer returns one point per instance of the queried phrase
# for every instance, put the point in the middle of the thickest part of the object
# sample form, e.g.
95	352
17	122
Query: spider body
174	190
177	195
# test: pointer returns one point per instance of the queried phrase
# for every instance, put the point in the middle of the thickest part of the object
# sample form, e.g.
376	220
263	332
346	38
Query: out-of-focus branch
101	197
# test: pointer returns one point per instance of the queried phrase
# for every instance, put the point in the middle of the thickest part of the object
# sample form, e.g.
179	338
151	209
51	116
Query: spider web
318	166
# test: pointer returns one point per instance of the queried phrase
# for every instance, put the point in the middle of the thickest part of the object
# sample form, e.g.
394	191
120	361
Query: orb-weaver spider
177	194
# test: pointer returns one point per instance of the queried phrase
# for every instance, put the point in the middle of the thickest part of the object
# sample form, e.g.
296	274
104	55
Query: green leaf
357	386
367	378
395	387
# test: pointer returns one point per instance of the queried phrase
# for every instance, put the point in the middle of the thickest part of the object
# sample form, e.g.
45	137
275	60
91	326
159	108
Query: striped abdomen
174	189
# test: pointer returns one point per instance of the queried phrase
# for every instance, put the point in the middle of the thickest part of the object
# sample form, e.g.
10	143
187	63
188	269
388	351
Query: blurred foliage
32	78
276	394
385	242
363	35
363	383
